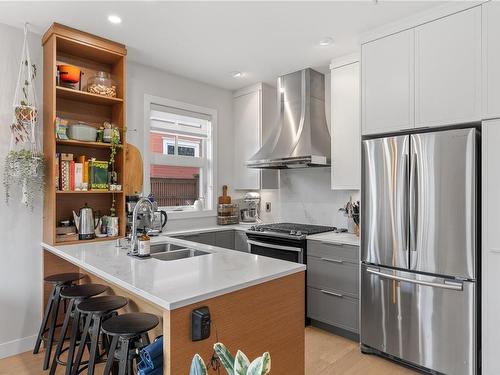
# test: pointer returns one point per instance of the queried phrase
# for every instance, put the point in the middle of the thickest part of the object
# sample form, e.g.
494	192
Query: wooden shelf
69	142
89	192
86	97
90	53
87	241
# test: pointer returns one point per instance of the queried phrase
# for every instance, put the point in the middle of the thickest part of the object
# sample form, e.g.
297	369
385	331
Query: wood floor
326	354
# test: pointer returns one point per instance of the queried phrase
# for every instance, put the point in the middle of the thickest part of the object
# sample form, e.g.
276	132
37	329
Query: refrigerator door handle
413	217
407	204
446	285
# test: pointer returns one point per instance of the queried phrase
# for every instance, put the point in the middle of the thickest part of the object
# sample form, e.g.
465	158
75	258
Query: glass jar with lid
101	84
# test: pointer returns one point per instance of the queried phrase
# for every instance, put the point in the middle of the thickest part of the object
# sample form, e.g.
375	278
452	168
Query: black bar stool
131	332
75	294
60	281
96	311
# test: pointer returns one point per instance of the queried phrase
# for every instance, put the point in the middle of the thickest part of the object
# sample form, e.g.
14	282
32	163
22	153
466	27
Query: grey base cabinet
240	241
228	239
225	239
204	238
333	284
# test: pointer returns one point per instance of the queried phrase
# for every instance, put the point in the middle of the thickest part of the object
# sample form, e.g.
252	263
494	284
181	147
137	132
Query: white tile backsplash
305	196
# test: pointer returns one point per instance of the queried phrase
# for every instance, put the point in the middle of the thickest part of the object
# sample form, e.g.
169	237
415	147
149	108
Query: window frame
179	160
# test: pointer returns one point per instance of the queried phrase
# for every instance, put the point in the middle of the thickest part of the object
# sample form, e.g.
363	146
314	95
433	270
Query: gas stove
290	230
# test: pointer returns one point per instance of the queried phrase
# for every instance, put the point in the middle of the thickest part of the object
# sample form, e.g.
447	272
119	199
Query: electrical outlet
268	206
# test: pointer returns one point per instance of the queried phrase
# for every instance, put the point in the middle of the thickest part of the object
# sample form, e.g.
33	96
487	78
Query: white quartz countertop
213	228
177	283
333	238
330	237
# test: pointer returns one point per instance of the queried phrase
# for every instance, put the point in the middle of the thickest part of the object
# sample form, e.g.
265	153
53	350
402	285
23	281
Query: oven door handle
273	246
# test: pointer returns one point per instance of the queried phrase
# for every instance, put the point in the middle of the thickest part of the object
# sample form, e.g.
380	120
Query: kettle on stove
85	223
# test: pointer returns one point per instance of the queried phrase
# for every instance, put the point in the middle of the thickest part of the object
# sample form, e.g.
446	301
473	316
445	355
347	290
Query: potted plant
239	365
26	169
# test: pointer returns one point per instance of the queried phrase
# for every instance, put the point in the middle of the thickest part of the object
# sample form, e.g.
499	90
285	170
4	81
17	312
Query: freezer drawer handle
332	260
331	293
449	285
274	246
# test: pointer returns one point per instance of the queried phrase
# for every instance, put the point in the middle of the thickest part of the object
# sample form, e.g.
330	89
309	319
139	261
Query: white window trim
151	99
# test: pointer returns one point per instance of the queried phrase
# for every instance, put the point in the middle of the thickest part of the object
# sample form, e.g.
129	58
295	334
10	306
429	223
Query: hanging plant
25	169
24	164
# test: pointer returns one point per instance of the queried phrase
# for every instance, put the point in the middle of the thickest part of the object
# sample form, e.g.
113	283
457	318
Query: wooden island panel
266	317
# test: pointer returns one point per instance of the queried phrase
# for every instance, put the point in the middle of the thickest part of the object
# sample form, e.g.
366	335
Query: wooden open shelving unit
90	53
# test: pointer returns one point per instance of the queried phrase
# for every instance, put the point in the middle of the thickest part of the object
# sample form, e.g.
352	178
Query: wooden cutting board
135	168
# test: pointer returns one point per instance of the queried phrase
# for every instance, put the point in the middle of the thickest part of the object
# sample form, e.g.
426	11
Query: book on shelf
98	175
80	174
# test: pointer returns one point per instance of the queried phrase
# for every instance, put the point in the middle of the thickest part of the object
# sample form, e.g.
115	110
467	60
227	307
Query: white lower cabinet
346	127
254	115
490	271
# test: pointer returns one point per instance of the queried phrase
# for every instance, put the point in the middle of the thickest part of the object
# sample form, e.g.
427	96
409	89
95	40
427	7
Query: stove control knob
252	227
293	233
298	233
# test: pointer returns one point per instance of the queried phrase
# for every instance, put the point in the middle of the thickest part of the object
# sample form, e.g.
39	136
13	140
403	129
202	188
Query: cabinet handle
332	260
331	293
333	243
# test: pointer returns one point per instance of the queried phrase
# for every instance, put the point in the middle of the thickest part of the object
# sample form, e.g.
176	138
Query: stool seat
83	291
131	324
102	304
64	278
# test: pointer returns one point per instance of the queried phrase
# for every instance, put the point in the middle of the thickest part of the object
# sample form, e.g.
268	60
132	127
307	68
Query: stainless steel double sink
169	251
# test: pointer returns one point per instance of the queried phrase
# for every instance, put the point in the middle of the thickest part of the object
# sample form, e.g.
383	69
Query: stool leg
83	343
122	369
96	330
60	343
145	339
50	338
72	342
46	315
111	355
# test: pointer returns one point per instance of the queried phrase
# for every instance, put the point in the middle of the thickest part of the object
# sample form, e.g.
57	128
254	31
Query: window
180	141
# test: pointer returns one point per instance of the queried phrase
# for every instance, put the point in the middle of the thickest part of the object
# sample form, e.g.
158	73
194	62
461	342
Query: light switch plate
268	206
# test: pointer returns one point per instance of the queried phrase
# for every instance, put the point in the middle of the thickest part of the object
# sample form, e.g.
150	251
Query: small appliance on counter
152	225
250	213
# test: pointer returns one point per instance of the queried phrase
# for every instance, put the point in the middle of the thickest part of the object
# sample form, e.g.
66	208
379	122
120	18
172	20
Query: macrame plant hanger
24	164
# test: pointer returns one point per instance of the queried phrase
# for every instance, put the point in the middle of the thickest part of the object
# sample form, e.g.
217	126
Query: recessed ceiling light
113	18
327	41
237	74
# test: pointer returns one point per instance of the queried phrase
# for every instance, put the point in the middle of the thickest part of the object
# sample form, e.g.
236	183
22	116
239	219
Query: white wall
305	196
143	80
20	229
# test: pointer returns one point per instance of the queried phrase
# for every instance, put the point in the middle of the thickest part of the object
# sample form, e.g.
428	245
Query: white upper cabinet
254	113
491	60
448	70
346	127
388	83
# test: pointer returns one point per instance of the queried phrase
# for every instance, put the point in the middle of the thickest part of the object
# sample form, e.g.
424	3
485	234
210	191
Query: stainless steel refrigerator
419	249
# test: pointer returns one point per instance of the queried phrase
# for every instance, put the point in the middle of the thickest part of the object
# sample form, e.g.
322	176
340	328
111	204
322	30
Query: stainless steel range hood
301	137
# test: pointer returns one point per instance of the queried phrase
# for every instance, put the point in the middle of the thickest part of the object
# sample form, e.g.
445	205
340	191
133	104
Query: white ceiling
206	41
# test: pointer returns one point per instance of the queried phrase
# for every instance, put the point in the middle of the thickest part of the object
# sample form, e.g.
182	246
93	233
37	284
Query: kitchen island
256	303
